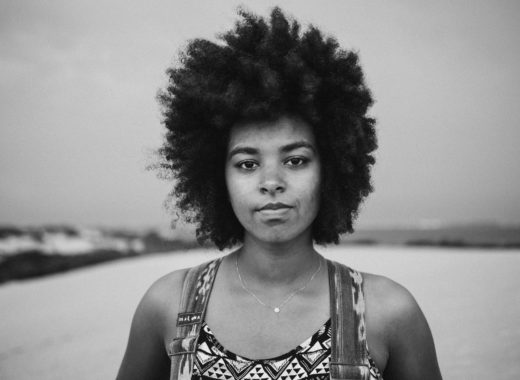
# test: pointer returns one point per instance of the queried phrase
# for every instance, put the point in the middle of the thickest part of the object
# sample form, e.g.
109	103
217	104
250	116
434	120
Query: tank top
308	361
348	358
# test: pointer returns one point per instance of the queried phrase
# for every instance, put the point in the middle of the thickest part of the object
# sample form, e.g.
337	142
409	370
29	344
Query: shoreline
36	263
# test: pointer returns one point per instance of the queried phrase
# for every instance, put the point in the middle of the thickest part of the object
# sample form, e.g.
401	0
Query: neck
279	263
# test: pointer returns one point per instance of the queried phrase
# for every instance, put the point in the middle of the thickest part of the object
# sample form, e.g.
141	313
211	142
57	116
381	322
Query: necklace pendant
276	310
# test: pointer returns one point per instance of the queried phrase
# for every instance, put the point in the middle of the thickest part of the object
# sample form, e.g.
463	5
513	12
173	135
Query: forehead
271	133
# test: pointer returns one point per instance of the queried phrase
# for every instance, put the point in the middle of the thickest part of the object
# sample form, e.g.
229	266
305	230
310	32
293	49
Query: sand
75	325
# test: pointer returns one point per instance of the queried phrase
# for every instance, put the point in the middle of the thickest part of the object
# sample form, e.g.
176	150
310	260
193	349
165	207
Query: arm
146	356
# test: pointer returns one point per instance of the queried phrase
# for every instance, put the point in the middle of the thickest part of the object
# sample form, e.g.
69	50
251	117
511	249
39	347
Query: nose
272	181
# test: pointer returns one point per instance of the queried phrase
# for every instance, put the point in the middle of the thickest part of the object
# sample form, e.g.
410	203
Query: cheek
313	193
231	184
314	196
236	199
237	192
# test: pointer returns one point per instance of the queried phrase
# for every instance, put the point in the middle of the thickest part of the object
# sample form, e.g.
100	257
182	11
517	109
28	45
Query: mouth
274	206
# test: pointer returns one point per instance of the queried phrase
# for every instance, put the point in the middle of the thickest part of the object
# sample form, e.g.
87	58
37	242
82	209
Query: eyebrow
296	145
285	149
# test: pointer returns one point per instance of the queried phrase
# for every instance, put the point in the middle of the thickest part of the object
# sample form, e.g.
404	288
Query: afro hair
262	70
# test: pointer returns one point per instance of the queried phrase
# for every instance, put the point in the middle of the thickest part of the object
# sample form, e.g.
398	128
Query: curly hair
263	70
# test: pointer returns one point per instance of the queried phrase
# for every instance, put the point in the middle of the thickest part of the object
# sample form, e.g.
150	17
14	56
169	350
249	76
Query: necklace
289	297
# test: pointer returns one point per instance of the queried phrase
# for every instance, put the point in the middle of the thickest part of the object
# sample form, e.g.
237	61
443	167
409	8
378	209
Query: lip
274	206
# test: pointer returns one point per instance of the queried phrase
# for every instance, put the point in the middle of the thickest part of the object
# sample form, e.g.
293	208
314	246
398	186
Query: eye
247	165
297	161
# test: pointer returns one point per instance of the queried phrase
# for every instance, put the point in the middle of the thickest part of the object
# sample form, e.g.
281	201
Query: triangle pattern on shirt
275	368
310	361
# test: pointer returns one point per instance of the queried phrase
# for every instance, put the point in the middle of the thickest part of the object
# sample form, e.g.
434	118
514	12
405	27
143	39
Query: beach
75	325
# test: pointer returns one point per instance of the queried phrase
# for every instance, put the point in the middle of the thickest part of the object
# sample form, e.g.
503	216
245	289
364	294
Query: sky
79	119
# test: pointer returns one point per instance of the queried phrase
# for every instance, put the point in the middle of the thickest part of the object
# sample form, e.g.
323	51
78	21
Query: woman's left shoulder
389	298
399	328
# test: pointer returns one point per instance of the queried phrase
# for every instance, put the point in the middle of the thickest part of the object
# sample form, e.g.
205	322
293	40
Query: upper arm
411	348
145	356
401	325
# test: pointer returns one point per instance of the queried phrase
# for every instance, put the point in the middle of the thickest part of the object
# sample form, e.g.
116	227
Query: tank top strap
196	289
349	355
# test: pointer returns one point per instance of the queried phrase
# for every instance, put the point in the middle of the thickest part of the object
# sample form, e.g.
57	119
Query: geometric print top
308	361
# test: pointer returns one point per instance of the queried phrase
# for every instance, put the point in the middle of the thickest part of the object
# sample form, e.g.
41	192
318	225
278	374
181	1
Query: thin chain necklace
289	297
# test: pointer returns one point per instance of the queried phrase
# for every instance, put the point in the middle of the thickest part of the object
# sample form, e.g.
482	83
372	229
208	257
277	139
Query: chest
246	327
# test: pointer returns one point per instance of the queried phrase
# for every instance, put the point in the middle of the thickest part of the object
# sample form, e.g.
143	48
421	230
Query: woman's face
273	178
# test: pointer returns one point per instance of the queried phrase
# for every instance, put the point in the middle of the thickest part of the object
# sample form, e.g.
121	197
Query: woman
270	144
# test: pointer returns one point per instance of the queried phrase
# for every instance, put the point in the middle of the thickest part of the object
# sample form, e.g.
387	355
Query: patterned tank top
308	361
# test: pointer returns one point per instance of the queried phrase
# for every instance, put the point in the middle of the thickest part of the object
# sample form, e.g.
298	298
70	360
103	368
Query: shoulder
390	308
168	287
145	352
161	301
389	298
395	320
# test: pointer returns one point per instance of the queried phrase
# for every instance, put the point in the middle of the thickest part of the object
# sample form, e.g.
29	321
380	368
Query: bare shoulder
391	310
168	285
399	329
390	299
145	355
162	298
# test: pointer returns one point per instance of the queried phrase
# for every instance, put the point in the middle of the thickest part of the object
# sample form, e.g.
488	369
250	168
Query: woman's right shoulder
153	326
160	304
163	296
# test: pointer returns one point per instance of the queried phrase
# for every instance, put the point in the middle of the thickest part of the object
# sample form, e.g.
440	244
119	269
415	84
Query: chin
279	236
